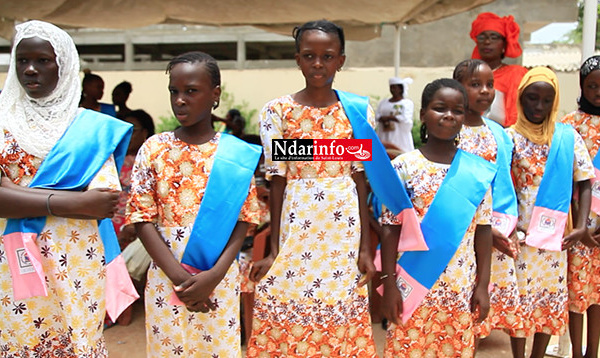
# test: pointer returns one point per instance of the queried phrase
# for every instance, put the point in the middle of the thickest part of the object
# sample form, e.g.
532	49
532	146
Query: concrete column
241	53
129	54
590	17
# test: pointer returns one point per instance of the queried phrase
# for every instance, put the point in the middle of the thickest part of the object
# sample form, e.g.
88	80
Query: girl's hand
99	203
575	236
392	305
197	289
366	267
590	240
203	307
503	244
481	300
260	268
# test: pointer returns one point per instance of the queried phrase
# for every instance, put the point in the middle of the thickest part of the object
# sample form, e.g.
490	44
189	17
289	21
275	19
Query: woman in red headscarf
498	37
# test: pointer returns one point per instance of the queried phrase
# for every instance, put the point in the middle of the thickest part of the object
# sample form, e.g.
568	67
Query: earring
457	139
215	104
339	69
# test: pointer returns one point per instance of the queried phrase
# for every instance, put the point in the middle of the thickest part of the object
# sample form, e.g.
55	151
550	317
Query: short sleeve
483	215
409	109
250	212
271	128
107	176
387	217
358	166
583	168
141	205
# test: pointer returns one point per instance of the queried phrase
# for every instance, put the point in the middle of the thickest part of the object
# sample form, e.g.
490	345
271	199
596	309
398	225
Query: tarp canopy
361	19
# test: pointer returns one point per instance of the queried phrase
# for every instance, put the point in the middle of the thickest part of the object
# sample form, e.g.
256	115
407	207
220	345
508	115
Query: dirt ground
129	341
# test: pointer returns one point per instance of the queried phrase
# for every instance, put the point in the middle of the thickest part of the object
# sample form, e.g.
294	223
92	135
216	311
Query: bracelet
48	204
386	275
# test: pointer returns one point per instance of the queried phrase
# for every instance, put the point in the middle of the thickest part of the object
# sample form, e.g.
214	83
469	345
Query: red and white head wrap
505	26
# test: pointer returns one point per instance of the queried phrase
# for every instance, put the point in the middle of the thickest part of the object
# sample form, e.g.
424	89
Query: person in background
395	116
583	276
120	95
496	38
92	92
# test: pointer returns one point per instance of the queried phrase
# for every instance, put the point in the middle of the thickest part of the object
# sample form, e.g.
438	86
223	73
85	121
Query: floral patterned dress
504	308
69	321
442	326
167	185
541	274
584	263
309	304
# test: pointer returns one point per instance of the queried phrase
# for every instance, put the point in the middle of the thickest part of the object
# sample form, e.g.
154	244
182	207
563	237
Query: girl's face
537	100
480	89
192	93
591	88
445	114
94	89
36	67
319	57
490	45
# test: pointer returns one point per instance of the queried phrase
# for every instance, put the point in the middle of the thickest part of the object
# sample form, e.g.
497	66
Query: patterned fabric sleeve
107	176
483	215
141	205
387	217
271	128
358	166
583	169
250	212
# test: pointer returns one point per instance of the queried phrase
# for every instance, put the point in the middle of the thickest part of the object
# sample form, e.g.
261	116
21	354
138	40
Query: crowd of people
491	224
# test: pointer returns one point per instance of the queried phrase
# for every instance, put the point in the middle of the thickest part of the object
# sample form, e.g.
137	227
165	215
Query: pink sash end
504	223
595	182
173	299
25	264
120	292
412	292
546	229
411	237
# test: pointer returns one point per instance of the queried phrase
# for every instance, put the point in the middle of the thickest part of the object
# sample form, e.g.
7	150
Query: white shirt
400	135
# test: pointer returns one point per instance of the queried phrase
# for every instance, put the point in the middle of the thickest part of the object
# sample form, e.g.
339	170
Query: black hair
90	77
321	25
467	68
430	90
125	87
234	112
145	120
199	57
251	138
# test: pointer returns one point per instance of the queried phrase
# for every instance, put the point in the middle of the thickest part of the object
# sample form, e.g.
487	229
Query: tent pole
590	17
397	51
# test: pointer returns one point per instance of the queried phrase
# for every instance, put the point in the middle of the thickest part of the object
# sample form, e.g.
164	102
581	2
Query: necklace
497	67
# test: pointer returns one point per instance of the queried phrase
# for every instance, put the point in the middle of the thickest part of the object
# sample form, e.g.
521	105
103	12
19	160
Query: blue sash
225	194
444	226
553	200
503	189
383	179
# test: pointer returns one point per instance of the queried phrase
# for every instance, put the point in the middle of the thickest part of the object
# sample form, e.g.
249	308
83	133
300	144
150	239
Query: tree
575	36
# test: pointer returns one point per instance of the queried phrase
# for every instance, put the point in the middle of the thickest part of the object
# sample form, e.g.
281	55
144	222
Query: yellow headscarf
537	133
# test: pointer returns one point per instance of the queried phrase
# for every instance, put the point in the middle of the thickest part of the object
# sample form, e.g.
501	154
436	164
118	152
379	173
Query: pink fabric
546	229
504	223
411	237
25	264
595	182
412	292
120	292
173	299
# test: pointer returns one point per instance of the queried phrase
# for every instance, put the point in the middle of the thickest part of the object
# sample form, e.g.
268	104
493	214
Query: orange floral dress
541	274
167	185
309	303
583	276
504	294
69	321
442	325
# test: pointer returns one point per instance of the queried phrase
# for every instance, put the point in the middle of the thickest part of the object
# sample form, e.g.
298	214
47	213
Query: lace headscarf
37	124
589	65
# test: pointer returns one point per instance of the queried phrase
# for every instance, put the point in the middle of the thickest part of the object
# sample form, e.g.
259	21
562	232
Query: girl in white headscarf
38	105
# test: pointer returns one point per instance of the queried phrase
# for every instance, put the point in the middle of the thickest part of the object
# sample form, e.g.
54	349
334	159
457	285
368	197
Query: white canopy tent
361	19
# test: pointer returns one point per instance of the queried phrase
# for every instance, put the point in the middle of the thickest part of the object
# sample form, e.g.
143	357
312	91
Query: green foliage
166	123
575	36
